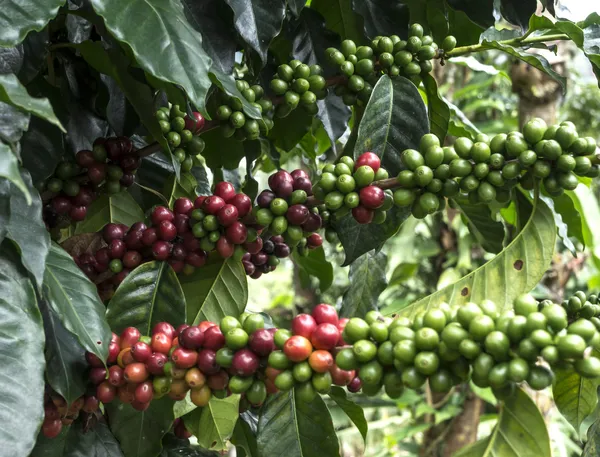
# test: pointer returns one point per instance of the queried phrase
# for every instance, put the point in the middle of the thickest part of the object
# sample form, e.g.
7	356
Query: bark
463	430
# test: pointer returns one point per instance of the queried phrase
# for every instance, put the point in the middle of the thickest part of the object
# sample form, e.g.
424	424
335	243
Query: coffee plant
158	157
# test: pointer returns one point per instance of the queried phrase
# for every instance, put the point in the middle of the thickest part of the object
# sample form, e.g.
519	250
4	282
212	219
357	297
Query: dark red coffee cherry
243	204
297	214
161	250
132	259
265	198
116	249
96	173
282	250
61	205
113	149
244	363
190	242
207	361
314	241
84	158
149	236
127	179
97	375
78	213
225	190
254	247
133	239
196	258
313	223
166	230
363	215
144	392
183	205
161	213
179	252
129	163
156	363
200	201
112	232
85	197
227	215
299	173
372	197
282	184
236	233
303	184
191	338
213	204
261	342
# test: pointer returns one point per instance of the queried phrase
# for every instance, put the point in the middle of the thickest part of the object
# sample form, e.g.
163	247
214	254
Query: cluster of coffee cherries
299	85
109	167
487	169
57	412
347	186
391	55
447	346
234	123
181	132
284	210
263	256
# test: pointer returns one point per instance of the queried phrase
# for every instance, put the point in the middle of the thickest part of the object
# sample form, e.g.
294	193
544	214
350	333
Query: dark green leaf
296	6
244	434
22	352
181	60
520	432
15	94
51	447
518	12
19	17
395	119
214	20
288	131
218	289
226	83
75	300
258	22
25	59
592	446
4	207
487	231
213	425
382	17
341	18
9	169
358	239
65	358
352	410
479	11
140	433
316	264
575	397
515	270
27	229
119	208
437	109
149	294
13	123
97	441
216	144
41	136
177	447
367	281
310	40
464	29
288	426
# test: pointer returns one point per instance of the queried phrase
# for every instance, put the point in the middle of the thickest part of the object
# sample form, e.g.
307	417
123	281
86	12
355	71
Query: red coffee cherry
166	231
218	381
135	372
115	376
161	250
112	232
213	204
97	375
199	201
243	204
297	348
196	258
261	342
184	358
132	259
61	205
161	213
102	256
52	428
281	183
299	173
325	336
207	362
237	233
214	338
85	197
129	337
371	197
321	361
181	223
225	190
183	205
179	252
196	123
84	158
363	215
144	392
161	343
297	214
116	249
303	325
156	363
96	173
227	215
191	338
190	242
93	360
105	392
324	313
113	352
225	248
355	385
133	239
91	404
313	223
265	198
149	236
141	352
370	159
341	325
164	327
314	241
255	246
244	363
341	377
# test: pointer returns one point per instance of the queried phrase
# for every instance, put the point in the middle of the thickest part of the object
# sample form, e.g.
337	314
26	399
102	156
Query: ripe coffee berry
116	249
325	336
297	214
161	343
261	342
227	215
191	338
129	337
132	259
225	190
363	215
196	258
179	252
243	204
314	241
225	248
282	184
265	198
303	325
166	230
141	352
184	358
370	159
135	372
156	363
161	250
161	213
213	204
372	197
245	362
237	233
164	327
183	205
149	236
214	338
181	223
207	362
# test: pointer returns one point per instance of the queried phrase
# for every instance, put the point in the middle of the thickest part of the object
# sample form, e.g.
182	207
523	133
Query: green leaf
244	434
518	12
140	433
575	397
487	231
382	17
258	22
215	144
395	119
340	18
592	446
66	367
181	60
216	290
520	432
358	239
97	441
459	124
15	94
354	412
41	136
437	109
316	264
19	17
213	425
515	270
479	11
565	206
22	353
586	204
149	294
9	169
74	298
367	281
561	225
227	84
51	447
27	229
119	208
288	131
296	428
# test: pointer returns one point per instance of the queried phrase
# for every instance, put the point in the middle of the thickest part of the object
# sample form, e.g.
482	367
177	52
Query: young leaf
15	94
316	264
521	431
27	229
296	428
19	17
213	425
74	298
395	119
149	294
515	270
438	111
140	433
21	402
575	397
487	231
367	281
181	60
66	366
354	412
119	208
340	18
216	290
97	441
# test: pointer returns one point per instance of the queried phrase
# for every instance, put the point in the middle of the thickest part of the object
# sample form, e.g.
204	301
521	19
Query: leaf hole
465	291
214	443
98	342
518	265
